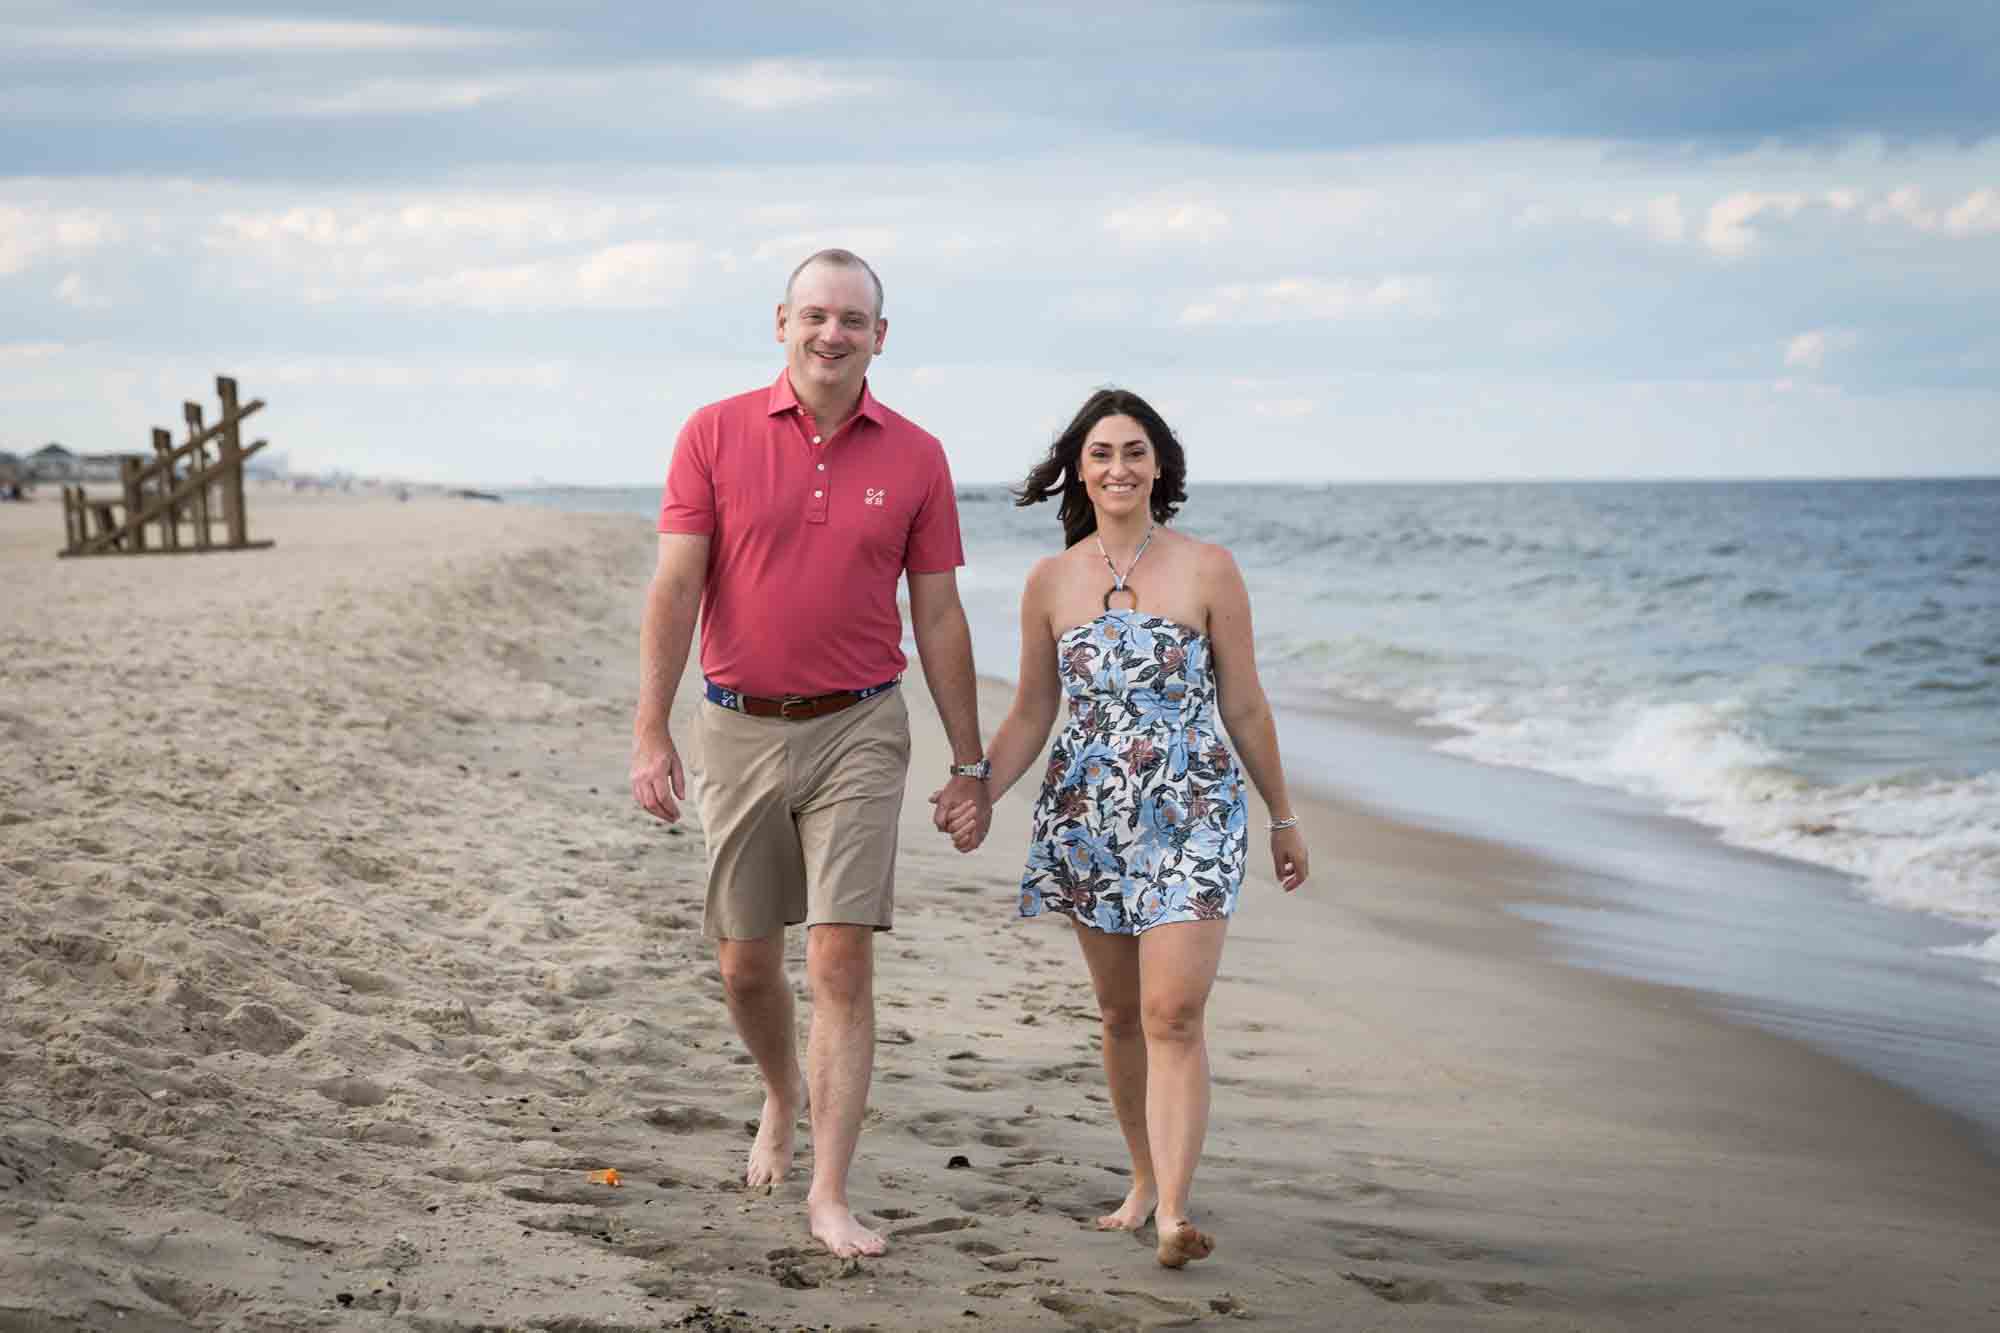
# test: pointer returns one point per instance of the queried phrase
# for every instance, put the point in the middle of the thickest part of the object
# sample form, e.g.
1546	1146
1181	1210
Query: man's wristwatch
982	770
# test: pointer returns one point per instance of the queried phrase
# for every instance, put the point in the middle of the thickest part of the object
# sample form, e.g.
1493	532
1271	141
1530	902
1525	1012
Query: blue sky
502	242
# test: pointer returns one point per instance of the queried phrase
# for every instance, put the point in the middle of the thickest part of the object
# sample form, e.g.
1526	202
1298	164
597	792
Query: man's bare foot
1181	1244
1131	1214
833	1226
771	1154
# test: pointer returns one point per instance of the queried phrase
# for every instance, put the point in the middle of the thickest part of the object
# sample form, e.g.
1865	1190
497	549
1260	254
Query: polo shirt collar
783	400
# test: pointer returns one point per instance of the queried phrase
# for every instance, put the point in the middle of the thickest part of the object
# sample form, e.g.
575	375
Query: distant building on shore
52	462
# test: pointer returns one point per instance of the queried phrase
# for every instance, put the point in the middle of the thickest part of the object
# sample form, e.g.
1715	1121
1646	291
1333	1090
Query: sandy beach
335	961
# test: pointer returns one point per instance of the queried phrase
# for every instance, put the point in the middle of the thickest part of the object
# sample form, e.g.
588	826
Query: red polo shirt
808	538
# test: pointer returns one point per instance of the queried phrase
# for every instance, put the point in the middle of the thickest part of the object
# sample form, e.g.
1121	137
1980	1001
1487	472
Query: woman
1139	832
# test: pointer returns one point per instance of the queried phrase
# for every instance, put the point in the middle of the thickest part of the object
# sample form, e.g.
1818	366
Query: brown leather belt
792	707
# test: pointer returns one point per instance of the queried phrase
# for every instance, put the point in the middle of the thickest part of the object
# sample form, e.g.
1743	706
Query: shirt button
818	494
815	439
822	467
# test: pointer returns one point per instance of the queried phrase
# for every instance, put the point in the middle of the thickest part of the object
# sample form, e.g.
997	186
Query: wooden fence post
197	465
233	514
170	522
135	501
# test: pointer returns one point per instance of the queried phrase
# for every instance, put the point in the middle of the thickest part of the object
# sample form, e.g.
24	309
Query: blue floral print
1141	819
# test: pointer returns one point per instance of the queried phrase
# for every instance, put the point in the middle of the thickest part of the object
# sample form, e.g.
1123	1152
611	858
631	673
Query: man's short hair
839	259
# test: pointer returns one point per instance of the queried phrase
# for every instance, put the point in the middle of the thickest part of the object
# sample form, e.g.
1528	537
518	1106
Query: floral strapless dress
1141	819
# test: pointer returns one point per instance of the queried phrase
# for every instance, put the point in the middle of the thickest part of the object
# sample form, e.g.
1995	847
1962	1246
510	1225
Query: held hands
658	784
963	811
1288	857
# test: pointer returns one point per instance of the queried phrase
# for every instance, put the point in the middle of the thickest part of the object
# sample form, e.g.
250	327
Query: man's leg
840	1060
760	1000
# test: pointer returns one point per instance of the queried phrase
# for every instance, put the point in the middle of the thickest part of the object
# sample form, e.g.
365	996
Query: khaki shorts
801	817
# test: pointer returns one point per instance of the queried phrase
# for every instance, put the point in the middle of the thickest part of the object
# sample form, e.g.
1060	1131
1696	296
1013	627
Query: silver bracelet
1278	824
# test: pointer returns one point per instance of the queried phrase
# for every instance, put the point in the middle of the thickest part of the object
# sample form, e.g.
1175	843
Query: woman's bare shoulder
1212	559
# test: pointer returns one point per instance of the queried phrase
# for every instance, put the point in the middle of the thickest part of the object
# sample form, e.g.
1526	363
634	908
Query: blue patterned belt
792	707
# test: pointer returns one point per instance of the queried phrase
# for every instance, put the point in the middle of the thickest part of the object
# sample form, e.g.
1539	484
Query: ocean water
1809	670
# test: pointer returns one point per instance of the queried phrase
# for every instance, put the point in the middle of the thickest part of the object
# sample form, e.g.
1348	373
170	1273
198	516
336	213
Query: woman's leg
1113	961
1177	965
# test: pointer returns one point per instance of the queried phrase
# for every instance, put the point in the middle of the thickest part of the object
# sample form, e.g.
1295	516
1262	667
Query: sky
506	243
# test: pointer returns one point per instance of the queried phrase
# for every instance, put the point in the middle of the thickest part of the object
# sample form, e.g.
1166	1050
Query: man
789	516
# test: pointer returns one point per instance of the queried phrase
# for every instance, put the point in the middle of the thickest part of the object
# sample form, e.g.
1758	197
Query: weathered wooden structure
180	484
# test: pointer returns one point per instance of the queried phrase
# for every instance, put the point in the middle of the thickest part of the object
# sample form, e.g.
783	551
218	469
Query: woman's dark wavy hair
1060	473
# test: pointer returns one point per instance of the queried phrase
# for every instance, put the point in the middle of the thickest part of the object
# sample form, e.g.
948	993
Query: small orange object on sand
608	1176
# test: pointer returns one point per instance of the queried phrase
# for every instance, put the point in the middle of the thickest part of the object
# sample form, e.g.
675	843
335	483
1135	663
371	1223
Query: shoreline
341	961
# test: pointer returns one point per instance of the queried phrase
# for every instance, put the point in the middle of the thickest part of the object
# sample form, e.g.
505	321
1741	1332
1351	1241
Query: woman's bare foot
1181	1244
1132	1213
771	1153
833	1225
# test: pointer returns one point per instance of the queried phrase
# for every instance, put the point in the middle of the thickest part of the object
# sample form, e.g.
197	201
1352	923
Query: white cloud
444	223
79	294
871	243
782	85
1808	350
29	234
1905	204
1727	231
349	374
237	35
1532	331
1975	215
1152	223
1661	218
396	97
1315	299
636	275
375	373
30	351
546	375
1284	409
470	251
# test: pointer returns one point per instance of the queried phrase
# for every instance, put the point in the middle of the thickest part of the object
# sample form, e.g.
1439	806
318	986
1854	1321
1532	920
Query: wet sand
336	959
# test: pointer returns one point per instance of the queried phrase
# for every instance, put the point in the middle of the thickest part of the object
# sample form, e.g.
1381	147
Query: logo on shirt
875	497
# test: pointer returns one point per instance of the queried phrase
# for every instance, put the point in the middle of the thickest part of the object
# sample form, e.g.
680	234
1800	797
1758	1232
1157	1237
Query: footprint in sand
1185	1310
1378	1243
686	1119
1338	1191
1400	1288
1014	1262
1142	1312
940	1129
935	1227
1075	1071
1001	1201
